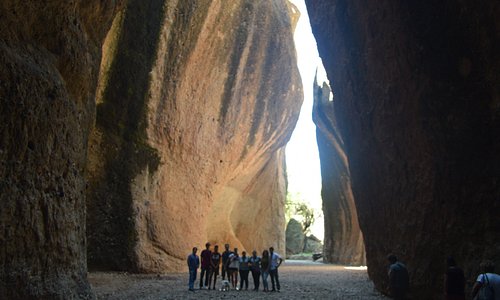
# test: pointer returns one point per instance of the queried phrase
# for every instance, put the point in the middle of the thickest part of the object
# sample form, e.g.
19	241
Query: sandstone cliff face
417	103
343	241
197	101
49	61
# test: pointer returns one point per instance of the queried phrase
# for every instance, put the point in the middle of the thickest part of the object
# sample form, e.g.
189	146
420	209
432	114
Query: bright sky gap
302	157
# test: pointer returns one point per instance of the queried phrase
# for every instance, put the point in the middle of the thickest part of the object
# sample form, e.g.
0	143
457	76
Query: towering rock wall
197	100
418	106
343	241
49	62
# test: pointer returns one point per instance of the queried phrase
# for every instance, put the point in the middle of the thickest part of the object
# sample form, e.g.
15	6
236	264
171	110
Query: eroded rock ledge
417	104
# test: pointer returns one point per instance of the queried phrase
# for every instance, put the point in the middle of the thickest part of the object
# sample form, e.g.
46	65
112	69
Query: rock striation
196	102
343	241
417	104
49	63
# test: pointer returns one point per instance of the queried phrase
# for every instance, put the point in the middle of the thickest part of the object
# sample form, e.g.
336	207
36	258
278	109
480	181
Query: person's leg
246	279
190	282
215	273
223	272
209	273
264	280
210	277
242	277
277	280
254	273
235	278
257	280
192	279
230	276
272	274
202	274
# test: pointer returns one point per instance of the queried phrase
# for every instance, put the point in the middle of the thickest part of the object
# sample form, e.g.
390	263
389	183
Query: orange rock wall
205	121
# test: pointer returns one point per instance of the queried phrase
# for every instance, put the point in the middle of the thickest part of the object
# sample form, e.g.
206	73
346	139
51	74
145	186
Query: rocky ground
299	280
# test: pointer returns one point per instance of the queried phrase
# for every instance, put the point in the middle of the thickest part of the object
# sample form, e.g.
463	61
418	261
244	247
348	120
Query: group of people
486	287
232	264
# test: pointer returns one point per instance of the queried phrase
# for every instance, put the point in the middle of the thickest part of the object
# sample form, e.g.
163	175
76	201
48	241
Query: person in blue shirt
255	269
274	264
244	270
193	262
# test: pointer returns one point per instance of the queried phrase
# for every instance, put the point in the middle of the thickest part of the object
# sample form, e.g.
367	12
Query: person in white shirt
234	265
276	261
487	283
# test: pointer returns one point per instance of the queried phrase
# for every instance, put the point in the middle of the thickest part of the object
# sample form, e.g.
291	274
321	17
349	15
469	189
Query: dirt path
299	280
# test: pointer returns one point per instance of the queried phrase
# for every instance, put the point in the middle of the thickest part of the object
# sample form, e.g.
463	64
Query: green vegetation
297	208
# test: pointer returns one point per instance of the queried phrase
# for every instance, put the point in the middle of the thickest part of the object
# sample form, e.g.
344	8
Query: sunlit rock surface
49	62
197	100
343	241
418	107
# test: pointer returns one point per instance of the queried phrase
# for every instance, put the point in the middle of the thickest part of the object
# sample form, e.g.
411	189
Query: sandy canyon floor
299	280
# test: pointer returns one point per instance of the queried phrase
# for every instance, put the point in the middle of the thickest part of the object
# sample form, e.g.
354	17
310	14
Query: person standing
214	266
487	283
233	266
225	258
193	262
264	268
206	255
398	278
244	270
275	263
454	281
255	269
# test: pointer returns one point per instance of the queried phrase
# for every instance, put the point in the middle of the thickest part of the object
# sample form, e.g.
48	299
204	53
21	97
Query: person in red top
206	256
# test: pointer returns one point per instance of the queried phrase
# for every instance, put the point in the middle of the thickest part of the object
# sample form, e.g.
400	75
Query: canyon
132	131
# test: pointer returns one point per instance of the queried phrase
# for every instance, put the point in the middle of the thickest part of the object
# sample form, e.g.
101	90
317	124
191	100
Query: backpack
486	292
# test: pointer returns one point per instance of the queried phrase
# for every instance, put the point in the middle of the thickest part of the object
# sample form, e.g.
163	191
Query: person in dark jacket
214	266
454	281
193	262
398	278
206	256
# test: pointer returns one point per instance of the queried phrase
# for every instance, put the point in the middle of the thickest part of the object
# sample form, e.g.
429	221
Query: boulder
294	237
417	104
312	244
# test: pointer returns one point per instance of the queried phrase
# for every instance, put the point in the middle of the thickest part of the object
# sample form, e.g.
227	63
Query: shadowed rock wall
49	62
343	241
418	104
197	100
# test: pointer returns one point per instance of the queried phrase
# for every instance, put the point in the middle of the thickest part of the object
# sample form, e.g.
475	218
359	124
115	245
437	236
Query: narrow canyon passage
299	280
131	131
